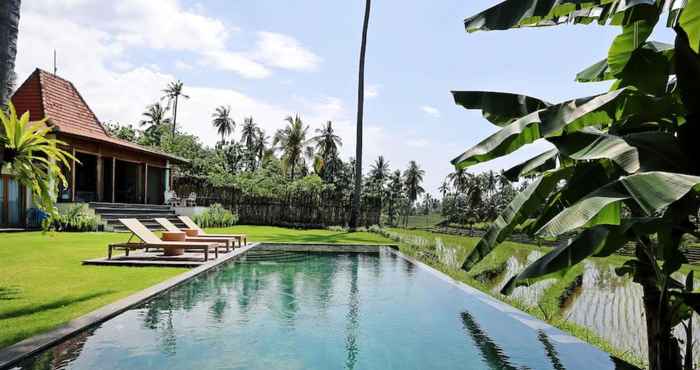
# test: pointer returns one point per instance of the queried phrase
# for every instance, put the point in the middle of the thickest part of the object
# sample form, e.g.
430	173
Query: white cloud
431	111
372	91
167	25
181	65
235	62
282	51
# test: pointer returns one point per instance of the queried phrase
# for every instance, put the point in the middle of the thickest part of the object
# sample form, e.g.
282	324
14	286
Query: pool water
289	310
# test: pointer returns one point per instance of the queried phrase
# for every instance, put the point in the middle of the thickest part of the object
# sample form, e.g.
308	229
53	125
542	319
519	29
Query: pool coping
11	355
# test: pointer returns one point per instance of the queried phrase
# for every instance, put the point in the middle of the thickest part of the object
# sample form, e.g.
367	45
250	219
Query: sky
273	58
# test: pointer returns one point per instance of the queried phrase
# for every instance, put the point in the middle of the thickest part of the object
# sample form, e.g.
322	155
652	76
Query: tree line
294	160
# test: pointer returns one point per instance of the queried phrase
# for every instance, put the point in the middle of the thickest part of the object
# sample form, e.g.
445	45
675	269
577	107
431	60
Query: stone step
101	210
127	205
114	216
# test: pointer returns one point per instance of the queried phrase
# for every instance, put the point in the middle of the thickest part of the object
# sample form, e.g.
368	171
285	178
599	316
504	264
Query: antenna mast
55	69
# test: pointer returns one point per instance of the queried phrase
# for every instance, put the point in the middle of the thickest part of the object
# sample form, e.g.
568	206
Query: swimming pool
302	310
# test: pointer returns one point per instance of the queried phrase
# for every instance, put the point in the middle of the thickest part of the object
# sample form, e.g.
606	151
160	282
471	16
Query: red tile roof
46	95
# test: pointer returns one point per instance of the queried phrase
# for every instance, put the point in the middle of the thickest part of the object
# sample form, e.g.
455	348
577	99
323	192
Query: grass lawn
43	284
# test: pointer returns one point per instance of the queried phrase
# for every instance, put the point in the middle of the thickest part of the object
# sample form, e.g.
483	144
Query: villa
107	169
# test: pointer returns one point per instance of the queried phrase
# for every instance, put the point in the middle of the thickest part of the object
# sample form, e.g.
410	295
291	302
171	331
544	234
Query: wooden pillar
145	183
114	181
100	179
72	175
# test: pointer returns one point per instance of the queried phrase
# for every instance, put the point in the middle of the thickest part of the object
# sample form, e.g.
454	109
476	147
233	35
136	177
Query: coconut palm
379	170
291	141
223	122
412	178
394	195
155	116
260	145
355	214
9	27
248	133
460	180
33	157
173	93
444	188
327	144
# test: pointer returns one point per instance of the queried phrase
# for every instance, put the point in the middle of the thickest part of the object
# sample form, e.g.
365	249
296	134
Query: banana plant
624	168
33	157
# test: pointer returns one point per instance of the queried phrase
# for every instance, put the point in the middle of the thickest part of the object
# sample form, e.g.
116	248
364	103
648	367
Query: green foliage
216	216
624	168
33	157
77	218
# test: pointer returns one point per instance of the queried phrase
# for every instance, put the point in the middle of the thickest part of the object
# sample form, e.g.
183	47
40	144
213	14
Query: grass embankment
547	308
43	284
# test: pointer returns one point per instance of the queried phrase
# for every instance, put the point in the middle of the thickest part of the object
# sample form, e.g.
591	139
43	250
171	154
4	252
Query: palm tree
413	177
155	117
9	28
327	143
291	140
379	170
223	122
260	145
460	180
444	188
248	133
173	93
354	216
395	191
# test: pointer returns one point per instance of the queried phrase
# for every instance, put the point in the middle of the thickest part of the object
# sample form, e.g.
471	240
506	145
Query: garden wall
295	210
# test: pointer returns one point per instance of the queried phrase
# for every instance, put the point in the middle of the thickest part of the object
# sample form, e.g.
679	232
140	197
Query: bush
76	219
216	216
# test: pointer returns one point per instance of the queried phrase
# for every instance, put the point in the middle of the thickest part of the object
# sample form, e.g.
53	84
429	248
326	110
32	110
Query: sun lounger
151	240
242	238
228	241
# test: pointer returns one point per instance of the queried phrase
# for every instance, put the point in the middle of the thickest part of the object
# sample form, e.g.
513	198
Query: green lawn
44	285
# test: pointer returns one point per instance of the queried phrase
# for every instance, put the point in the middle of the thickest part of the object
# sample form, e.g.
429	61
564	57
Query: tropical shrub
624	165
76	218
33	157
216	216
337	229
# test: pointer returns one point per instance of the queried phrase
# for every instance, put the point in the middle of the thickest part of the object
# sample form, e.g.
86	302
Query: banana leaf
601	70
498	107
651	191
542	162
646	151
567	117
525	204
541	13
598	241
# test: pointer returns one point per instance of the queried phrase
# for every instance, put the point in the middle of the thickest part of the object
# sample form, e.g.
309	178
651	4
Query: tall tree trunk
355	214
175	115
9	26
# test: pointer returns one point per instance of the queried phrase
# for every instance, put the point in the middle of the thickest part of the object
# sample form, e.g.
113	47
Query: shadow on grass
52	305
9	293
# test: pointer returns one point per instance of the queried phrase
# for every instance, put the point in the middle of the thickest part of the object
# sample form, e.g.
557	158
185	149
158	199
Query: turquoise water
321	311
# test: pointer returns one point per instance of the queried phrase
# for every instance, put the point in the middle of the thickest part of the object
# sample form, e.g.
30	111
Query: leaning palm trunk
355	214
9	26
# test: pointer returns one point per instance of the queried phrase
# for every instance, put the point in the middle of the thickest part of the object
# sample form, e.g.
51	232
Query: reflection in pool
285	310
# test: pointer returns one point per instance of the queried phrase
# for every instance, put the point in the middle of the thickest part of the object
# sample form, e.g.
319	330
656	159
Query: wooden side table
172	236
191	232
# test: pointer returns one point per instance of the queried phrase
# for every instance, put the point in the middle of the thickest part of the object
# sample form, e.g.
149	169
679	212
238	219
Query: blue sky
272	58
